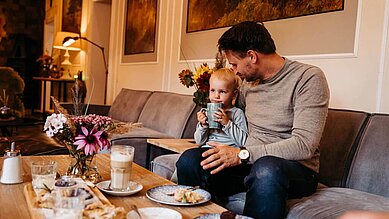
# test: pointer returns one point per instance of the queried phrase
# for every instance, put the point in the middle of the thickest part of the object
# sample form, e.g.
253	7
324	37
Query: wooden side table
175	145
62	82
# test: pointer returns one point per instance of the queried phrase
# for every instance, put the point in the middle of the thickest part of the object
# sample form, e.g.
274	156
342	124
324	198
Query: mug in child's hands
211	109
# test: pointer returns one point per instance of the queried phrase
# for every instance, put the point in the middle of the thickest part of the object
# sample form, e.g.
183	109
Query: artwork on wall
222	13
141	28
300	36
71	16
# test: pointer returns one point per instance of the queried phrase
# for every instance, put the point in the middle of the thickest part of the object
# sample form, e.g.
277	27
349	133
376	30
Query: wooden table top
13	203
176	145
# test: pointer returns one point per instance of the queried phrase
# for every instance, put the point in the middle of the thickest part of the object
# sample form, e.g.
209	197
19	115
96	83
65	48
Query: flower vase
84	167
45	72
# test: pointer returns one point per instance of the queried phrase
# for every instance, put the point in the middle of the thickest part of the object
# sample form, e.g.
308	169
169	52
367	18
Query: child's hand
202	119
222	117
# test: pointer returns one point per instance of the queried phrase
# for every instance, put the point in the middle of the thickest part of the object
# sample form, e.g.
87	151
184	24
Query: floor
31	140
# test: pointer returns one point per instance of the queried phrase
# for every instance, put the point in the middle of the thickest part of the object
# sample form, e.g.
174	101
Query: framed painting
141	27
71	15
222	13
302	36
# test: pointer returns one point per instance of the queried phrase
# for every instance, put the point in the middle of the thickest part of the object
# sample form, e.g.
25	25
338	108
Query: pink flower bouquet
84	136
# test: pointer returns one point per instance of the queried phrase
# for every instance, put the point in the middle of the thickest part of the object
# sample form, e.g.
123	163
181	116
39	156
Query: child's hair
226	74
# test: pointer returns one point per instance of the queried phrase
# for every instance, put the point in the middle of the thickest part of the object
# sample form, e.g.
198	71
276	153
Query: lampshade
60	36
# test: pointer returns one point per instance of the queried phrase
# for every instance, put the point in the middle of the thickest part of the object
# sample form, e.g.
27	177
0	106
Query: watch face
244	154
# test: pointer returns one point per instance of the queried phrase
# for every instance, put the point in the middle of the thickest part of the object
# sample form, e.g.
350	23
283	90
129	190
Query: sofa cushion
167	112
128	105
337	146
165	165
333	202
369	170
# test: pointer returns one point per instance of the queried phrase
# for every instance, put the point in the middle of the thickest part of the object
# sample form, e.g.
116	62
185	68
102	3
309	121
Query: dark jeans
269	182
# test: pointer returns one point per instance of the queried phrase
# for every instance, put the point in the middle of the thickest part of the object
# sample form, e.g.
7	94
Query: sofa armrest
99	109
92	108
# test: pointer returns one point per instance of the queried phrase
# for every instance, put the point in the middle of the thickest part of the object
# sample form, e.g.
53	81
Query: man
286	105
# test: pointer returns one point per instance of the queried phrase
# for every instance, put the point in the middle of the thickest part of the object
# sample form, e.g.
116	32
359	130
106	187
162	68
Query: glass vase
84	167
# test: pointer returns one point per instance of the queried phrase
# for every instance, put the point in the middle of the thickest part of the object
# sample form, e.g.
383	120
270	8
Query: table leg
60	92
148	154
44	101
65	92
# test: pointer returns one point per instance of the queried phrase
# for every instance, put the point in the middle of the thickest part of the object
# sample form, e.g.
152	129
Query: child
224	88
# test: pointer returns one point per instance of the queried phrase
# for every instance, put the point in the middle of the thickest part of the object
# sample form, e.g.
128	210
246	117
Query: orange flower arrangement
200	80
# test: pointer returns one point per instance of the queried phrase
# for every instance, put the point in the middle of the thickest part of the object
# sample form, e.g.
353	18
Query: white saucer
155	212
132	189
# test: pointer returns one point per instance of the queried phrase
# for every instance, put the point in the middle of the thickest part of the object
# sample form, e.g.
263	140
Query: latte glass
121	163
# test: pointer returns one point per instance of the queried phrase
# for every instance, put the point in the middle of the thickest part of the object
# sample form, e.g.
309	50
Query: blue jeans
268	183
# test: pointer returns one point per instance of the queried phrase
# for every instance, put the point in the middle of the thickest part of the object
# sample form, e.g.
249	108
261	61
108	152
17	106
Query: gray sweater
286	114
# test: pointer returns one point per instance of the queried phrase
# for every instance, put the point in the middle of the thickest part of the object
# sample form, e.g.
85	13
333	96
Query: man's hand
219	157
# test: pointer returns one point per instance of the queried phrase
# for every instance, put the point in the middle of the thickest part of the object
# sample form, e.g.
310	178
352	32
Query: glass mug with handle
210	111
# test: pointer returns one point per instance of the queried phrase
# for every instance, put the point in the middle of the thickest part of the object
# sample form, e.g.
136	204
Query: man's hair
246	36
227	75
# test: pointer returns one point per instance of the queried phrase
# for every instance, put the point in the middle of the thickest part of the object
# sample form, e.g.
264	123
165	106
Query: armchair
13	84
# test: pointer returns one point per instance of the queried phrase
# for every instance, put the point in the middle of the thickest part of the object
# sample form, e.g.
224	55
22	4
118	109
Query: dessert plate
133	188
160	194
155	212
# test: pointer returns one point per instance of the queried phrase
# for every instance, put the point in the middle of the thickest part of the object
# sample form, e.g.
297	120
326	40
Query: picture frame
71	16
141	31
204	16
291	37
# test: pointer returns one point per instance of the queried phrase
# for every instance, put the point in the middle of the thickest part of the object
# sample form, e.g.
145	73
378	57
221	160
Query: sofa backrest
369	169
190	127
128	105
167	112
337	146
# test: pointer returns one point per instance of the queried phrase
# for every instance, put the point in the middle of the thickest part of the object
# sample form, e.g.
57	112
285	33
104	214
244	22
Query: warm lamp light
71	40
59	37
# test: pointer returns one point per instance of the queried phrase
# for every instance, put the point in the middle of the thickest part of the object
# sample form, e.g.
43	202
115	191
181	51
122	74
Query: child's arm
202	132
236	128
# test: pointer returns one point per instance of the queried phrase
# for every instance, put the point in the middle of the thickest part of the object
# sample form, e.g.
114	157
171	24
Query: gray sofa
354	173
161	115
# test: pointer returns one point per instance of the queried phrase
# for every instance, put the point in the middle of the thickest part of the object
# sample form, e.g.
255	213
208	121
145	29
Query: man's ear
236	92
252	55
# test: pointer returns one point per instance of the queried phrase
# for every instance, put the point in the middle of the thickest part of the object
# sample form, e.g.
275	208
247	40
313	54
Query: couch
154	114
354	173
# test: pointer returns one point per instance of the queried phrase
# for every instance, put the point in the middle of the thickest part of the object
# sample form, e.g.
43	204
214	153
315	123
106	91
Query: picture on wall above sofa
140	27
222	13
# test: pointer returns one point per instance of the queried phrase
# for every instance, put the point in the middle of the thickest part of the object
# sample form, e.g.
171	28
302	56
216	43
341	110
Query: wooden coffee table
13	203
176	145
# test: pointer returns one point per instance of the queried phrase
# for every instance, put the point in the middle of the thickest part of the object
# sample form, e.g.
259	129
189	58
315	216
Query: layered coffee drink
121	162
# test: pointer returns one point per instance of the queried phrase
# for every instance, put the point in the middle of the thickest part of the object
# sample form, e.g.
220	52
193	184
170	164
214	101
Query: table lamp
71	40
58	44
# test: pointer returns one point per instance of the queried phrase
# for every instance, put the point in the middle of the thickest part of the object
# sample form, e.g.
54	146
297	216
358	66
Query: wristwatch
244	155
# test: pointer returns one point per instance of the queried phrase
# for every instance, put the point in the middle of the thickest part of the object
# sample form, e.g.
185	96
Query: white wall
96	29
357	81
